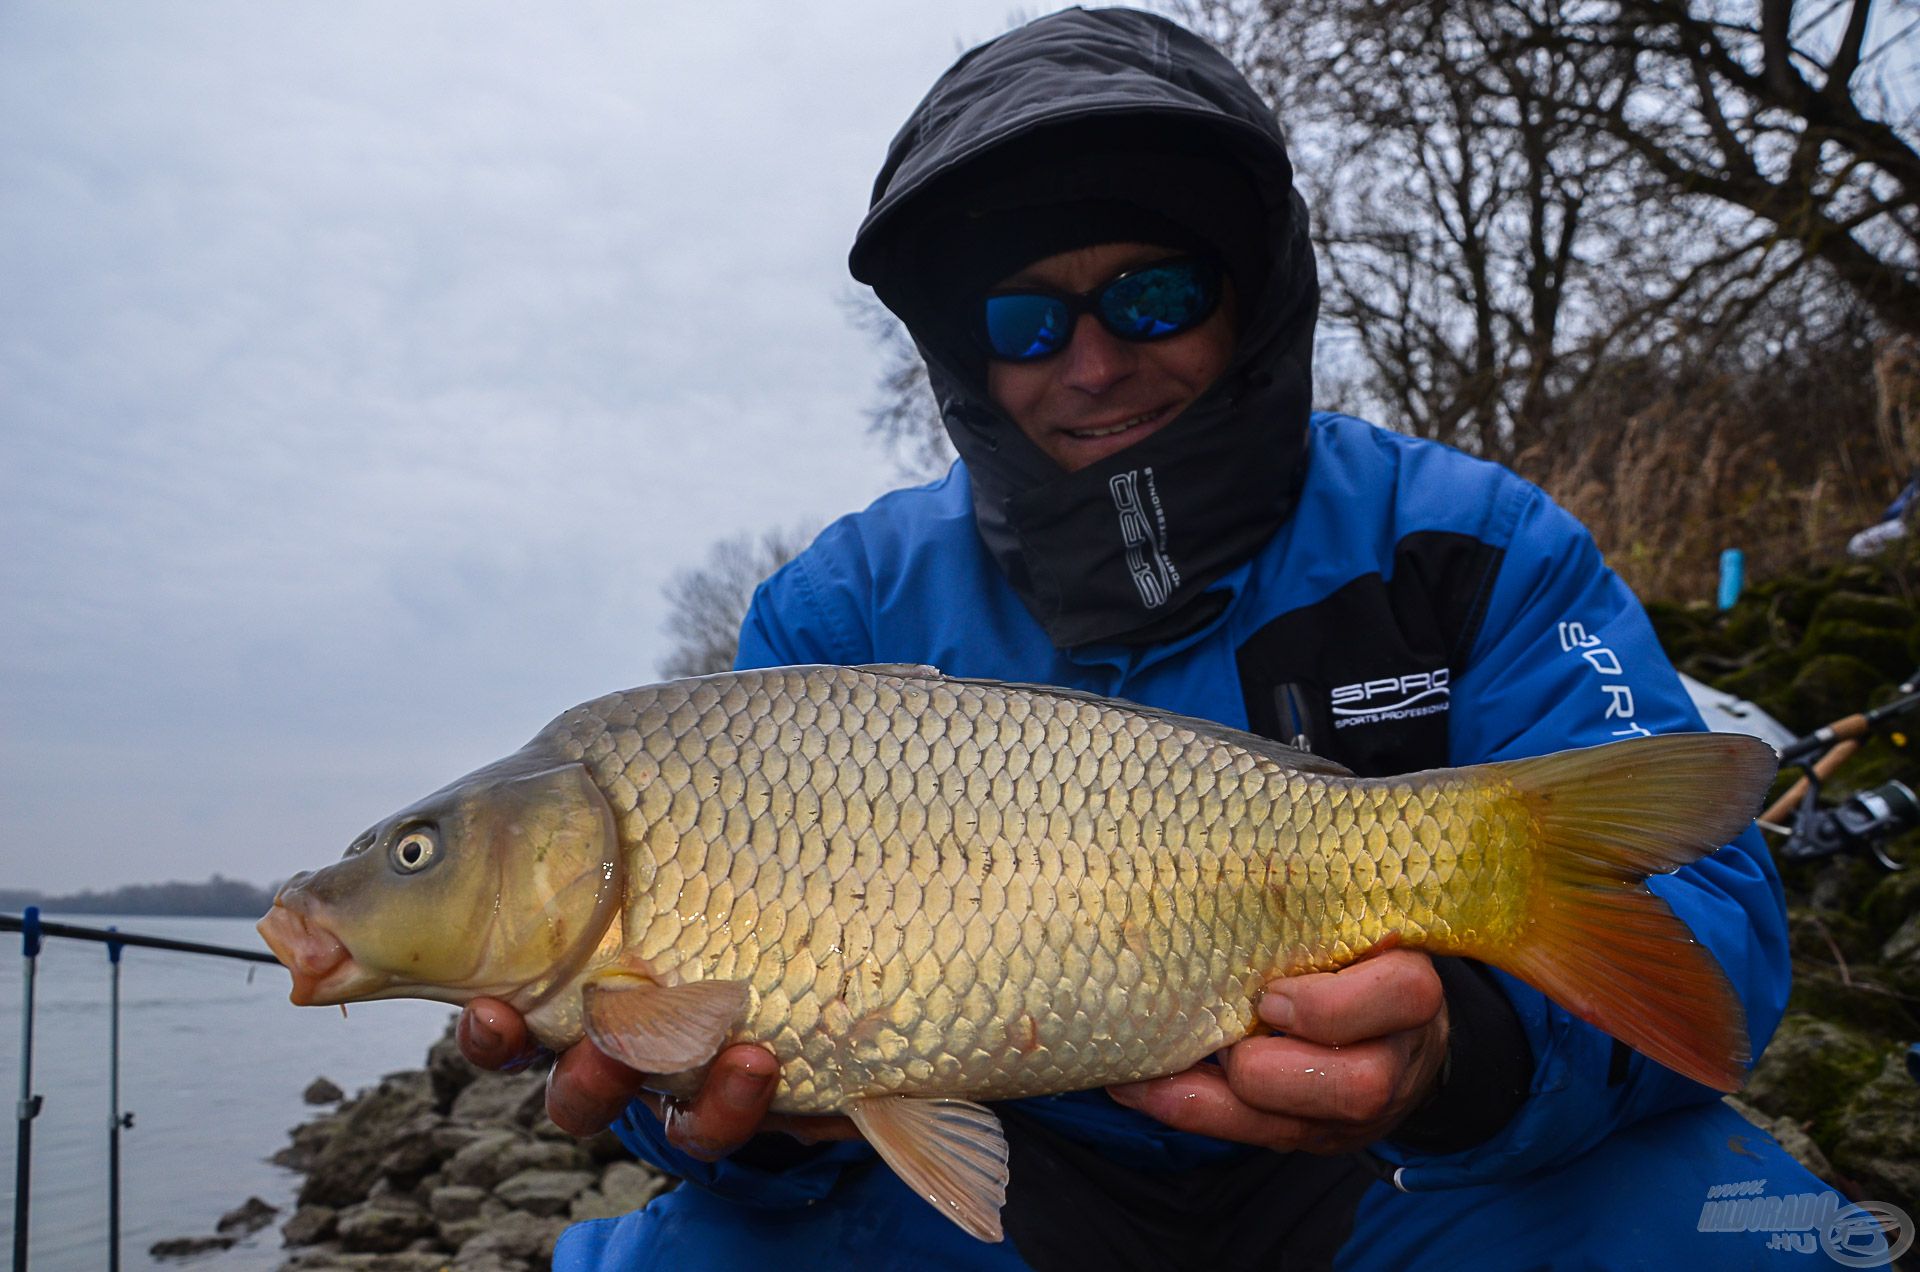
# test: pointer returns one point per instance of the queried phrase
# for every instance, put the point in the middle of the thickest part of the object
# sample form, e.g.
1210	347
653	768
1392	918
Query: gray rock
452	1202
448	1072
1879	1141
338	1261
544	1192
1790	1135
516	1235
327	1260
500	1098
1809	1071
1904	945
350	1163
247	1218
457	1232
415	1152
309	1138
481	1162
624	1188
386	1224
449	1138
491	1261
546	1155
321	1091
309	1225
188	1247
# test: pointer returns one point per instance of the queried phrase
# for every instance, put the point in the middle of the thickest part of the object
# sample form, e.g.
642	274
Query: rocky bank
449	1168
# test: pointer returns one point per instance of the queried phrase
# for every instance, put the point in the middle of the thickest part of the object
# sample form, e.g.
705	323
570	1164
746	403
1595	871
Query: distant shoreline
217	898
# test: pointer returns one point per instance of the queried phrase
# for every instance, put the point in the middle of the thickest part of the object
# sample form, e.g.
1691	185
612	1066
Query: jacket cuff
1488	1070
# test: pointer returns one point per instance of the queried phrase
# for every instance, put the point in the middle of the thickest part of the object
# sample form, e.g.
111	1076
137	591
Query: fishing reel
1863	822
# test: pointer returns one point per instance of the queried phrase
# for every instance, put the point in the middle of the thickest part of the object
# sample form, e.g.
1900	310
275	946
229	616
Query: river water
213	1061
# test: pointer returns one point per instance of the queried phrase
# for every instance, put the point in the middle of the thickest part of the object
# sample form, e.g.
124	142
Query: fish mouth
323	971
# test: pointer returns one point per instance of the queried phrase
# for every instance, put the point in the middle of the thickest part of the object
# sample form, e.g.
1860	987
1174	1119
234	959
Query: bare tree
1791	111
1482	254
706	604
904	416
1517	197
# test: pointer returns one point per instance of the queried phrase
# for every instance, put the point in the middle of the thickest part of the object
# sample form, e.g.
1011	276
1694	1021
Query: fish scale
1127	920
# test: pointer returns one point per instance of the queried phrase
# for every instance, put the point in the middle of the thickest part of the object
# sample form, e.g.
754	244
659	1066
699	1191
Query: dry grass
1732	463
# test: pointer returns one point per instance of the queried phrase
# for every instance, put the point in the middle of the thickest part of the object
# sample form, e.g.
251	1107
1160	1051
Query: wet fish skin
905	885
957	889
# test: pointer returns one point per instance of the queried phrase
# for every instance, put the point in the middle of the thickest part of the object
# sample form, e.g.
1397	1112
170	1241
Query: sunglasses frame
1208	274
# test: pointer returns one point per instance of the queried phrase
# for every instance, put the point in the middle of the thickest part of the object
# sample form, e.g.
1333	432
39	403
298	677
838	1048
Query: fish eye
415	850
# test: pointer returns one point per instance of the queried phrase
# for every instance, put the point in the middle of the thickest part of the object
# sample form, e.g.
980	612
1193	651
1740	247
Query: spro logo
1419	693
1143	531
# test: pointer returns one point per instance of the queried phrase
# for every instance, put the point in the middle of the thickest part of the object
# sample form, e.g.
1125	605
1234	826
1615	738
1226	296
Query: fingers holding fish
1202	1101
1287	1094
493	1035
1364	1049
587	1089
1390	992
731	1108
1366	1087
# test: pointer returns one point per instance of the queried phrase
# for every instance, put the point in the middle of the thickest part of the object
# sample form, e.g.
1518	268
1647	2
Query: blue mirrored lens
1160	301
1021	327
1144	304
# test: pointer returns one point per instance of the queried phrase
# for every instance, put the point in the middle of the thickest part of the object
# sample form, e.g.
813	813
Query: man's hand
586	1091
1360	1049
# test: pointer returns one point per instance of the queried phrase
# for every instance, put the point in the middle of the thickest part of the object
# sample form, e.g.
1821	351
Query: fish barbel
921	892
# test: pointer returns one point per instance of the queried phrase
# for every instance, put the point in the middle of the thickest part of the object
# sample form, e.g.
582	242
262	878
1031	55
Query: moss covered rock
1811	1072
1900	966
1823	938
1881	648
1868	609
1826	687
1864	997
1878	1141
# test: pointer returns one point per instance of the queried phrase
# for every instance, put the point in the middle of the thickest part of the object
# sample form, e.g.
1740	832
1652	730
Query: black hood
1053	112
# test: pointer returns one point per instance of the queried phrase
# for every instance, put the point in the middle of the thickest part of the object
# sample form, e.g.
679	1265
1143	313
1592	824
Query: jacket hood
1054	112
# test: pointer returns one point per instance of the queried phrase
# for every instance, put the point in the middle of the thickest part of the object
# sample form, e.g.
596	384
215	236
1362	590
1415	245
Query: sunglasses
1150	302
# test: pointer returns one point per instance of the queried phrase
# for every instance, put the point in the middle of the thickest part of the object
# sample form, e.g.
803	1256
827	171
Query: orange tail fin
1598	942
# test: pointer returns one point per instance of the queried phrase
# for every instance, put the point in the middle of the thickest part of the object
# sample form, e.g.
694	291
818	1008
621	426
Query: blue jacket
1556	653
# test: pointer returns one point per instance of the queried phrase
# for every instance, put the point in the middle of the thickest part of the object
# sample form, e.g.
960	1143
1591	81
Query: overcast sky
366	369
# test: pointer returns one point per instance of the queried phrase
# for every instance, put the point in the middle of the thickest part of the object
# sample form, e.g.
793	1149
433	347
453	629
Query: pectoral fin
664	1028
949	1151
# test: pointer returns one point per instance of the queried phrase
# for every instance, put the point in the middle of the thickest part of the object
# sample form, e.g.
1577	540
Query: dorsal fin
1287	757
903	671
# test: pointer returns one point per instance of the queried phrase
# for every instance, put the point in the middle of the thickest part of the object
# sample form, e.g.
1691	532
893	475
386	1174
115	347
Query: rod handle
1783	807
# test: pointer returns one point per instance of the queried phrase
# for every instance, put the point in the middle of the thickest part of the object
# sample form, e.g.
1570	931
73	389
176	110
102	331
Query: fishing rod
33	929
29	1106
1864	820
111	936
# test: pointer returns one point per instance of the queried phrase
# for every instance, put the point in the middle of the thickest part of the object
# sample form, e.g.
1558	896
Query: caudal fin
1597	941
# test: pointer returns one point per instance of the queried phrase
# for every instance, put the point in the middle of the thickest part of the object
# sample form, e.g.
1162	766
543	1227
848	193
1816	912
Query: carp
921	893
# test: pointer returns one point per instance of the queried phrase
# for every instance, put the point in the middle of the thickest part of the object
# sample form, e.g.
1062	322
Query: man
1090	229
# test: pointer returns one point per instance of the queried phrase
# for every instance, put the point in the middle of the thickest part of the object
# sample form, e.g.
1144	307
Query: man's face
1101	394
